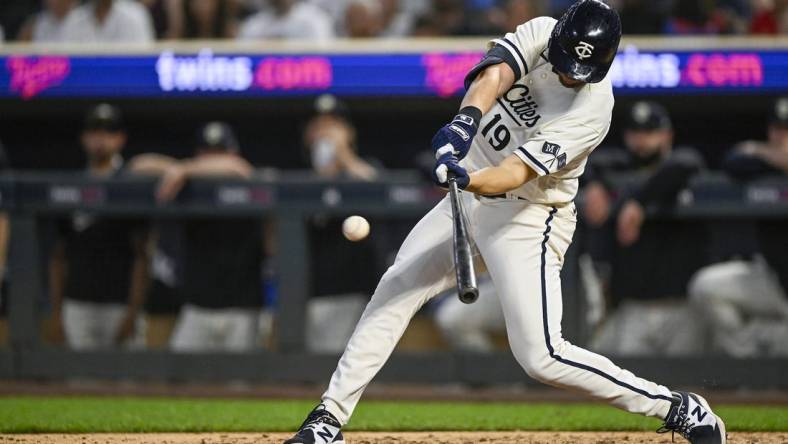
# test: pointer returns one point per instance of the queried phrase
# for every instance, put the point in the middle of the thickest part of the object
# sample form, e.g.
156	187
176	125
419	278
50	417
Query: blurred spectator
513	13
445	17
13	15
108	21
397	16
458	17
2	34
744	301
203	19
288	19
398	20
769	17
644	16
334	8
47	25
166	16
363	19
557	7
330	139
98	266
220	259
705	17
648	262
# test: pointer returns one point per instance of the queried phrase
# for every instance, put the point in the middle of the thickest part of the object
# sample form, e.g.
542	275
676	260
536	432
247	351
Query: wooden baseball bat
467	289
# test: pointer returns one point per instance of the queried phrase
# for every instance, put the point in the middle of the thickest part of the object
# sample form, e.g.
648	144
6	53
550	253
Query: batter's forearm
491	181
490	84
512	173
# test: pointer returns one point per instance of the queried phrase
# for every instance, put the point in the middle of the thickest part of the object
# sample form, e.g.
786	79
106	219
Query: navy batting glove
448	163
456	137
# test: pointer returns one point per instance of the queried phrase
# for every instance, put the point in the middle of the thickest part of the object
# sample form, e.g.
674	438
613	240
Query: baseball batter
536	106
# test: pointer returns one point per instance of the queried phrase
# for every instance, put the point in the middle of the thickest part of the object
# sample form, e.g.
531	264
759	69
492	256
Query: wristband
470	115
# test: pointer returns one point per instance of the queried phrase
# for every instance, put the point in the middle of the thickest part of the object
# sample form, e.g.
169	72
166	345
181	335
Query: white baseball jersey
550	127
522	242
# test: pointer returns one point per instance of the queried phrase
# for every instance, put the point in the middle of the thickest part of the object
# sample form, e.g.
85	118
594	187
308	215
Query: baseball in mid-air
355	228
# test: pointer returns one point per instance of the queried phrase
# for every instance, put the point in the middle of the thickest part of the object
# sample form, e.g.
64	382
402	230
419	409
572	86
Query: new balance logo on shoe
699	413
320	427
325	434
691	417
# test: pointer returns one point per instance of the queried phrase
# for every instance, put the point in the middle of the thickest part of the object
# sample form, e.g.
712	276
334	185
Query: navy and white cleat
691	417
320	427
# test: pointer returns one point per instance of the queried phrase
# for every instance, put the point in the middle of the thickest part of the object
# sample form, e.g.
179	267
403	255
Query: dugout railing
290	200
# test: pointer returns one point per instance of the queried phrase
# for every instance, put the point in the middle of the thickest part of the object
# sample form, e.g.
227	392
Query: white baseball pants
470	327
744	307
523	246
93	325
200	329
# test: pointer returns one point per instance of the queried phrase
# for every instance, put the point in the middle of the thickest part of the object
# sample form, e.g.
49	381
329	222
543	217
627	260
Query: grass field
88	415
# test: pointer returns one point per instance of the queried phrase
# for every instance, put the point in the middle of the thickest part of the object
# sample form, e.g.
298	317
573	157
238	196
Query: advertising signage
170	74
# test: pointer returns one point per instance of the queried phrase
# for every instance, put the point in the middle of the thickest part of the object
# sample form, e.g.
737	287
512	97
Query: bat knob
469	295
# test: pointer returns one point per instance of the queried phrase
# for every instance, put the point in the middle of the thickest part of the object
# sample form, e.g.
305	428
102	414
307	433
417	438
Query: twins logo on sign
553	149
584	50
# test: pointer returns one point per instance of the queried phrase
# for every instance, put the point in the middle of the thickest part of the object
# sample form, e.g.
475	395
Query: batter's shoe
320	427
691	417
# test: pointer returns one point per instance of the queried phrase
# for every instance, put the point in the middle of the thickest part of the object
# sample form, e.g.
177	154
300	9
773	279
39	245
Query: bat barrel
467	289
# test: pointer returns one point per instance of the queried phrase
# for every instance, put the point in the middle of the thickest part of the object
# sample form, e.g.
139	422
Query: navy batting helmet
585	40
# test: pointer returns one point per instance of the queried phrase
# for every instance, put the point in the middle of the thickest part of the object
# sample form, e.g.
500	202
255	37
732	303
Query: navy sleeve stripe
482	65
497	54
533	159
519	54
502	53
507	46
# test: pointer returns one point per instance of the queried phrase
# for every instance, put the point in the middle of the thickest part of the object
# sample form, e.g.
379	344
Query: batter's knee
538	365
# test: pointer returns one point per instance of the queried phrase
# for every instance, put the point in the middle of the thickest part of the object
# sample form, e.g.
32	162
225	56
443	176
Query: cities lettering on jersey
522	103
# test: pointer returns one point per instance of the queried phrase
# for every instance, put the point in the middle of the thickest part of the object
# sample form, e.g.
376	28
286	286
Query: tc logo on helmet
584	50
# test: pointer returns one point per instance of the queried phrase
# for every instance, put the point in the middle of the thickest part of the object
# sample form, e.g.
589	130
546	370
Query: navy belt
502	196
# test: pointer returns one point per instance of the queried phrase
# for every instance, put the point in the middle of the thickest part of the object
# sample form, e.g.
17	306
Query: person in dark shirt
98	266
744	302
220	259
341	289
646	261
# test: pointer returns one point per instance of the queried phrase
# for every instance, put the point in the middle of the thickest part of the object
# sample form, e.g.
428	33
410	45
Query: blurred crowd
197	284
107	21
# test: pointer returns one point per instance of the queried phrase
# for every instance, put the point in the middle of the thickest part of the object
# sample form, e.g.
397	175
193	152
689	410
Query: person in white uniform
536	106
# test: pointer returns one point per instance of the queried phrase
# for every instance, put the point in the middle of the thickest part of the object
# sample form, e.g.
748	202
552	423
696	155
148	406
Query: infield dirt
385	438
